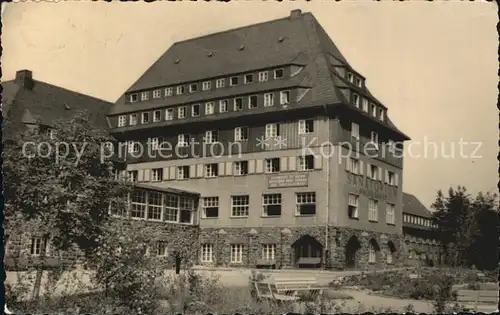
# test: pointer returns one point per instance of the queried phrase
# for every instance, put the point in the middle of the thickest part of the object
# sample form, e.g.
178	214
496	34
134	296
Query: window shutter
192	171
292	163
283	164
380	178
251	166
221	169
172	174
147	175
317	162
140	175
361	167
259	166
166	173
199	171
396	179
229	168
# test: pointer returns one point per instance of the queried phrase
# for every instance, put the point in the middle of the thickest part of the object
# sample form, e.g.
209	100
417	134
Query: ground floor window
37	246
236	253
206	253
389	257
161	249
372	257
268	251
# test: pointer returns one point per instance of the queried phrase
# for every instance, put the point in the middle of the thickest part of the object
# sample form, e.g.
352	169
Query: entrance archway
352	246
307	252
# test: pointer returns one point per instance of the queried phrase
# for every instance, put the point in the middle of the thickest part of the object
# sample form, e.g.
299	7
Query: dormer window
355	99
207	85
233	81
134	98
169	91
209	108
374	110
145	118
278	73
238	104
350	77
358	82
157	115
365	105
144	96
219	83
263	76
156	93
180	90
122	120
133	119
252	101
285	97
169	114
193	87
381	115
195	110
248	78
181	112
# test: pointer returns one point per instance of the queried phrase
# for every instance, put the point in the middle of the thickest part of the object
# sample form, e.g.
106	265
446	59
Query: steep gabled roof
9	90
413	206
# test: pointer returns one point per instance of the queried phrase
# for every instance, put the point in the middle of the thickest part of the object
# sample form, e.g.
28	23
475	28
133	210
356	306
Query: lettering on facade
371	188
288	180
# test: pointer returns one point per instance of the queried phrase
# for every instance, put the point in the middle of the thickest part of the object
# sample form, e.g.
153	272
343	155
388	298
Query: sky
433	64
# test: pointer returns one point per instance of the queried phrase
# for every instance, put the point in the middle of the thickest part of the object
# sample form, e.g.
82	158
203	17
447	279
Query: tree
60	184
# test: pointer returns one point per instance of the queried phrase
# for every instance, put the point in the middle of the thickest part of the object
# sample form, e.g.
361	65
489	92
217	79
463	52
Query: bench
485	301
287	289
267	291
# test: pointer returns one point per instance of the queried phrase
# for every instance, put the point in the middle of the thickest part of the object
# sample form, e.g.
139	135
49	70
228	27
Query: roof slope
9	90
411	205
44	103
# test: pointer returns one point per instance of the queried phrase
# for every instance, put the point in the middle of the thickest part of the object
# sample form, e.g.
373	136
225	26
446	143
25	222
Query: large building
296	162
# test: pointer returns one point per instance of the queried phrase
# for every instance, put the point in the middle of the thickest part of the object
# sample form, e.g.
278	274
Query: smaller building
420	239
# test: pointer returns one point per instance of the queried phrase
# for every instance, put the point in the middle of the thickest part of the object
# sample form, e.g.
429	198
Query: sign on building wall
371	188
288	180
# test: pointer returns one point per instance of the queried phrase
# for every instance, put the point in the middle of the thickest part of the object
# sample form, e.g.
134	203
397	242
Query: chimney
24	79
295	13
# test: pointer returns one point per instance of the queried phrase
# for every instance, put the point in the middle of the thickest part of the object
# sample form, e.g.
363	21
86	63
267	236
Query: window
306	163
161	249
263	76
353	165
233	81
390	216
272	165
240	168
285	97
374	139
252	101
169	114
38	246
183	140
355	99
223	106
169	91
306	126
272	130
210	136
186	206
157	174
156	93
171	203
144	96
278	73
210	207
132	176
209	108
268	251
372	254
365	105
207	85
355	131
183	172
134	98
381	114
374	110
145	118
248	78
211	170
238	104
350	77
236	253
181	112
391	178
193	87
271	205
219	83
122	120
373	210
180	90
241	134
373	172
306	203
195	110
358	82
268	99
155	143
352	207
154	205
133	119
157	115
138	204
206	253
133	147
239	206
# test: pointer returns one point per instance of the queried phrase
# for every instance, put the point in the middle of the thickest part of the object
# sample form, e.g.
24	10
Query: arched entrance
390	252
352	246
308	252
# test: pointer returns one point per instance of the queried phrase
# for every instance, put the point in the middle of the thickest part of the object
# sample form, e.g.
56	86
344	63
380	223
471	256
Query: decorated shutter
229	168
283	164
317	162
259	166
221	169
140	175
166	173
292	163
172	174
251	166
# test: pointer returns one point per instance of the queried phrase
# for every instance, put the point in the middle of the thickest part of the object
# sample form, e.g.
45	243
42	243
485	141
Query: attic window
177	61
66	106
281	39
242	47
